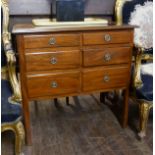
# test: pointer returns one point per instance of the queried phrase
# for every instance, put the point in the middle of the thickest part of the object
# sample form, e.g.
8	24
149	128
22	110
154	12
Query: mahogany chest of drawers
72	61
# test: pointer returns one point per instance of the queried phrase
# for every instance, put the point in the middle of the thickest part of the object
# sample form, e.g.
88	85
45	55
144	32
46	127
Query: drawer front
53	84
51	40
107	56
42	61
105	78
107	37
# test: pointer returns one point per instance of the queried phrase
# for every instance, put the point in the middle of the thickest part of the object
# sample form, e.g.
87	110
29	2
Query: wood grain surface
59	40
106	56
46	59
94	78
28	28
42	84
96	38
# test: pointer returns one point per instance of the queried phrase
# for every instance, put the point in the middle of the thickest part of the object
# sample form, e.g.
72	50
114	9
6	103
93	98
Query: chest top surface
30	28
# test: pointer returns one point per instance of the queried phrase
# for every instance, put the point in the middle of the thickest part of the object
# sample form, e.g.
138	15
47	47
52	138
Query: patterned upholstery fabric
149	51
9	112
146	91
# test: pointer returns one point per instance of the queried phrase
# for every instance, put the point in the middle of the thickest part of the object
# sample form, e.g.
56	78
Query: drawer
51	40
106	56
45	60
53	84
105	78
107	37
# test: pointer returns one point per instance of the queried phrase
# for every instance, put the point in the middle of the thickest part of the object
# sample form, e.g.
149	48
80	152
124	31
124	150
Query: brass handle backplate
107	57
54	84
107	37
53	60
106	78
52	41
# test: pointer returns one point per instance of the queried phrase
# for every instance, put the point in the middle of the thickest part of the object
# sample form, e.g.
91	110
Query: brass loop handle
107	57
53	60
107	37
54	84
52	41
106	78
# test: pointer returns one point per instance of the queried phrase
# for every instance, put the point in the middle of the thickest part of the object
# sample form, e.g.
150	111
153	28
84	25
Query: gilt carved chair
11	109
140	13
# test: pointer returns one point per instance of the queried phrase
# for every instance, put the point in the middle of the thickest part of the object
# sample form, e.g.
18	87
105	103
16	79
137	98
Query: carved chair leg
19	138
144	113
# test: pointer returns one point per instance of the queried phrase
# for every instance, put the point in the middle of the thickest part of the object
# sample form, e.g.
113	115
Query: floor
85	127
